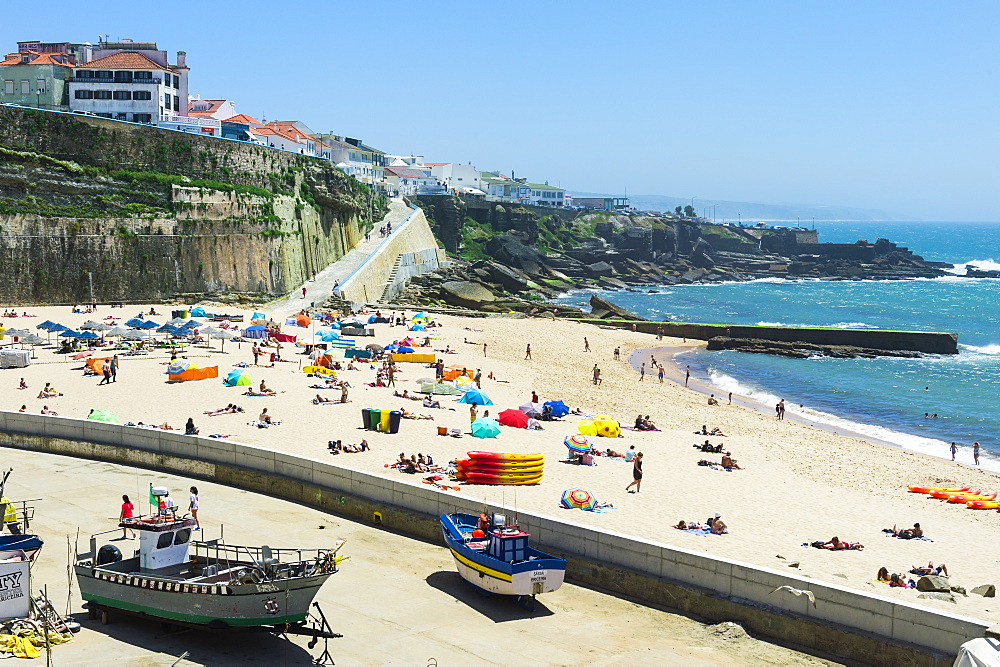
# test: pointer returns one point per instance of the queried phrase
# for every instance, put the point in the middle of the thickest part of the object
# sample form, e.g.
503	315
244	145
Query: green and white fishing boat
203	583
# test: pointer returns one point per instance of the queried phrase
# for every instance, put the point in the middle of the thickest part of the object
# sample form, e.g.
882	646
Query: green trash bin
376	419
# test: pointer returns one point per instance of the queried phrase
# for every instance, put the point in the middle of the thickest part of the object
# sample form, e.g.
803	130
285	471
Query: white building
217	109
460	178
502	188
130	85
546	195
411	181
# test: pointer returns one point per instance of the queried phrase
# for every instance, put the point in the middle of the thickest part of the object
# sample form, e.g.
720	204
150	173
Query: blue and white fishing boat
15	522
494	556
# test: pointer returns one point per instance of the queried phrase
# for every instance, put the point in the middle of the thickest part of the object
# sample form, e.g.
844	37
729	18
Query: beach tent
531	409
438	388
198	311
455	371
580	499
514	418
327	336
255	331
258	317
239	377
559	409
475	396
104	416
979	652
417	327
485	427
577	443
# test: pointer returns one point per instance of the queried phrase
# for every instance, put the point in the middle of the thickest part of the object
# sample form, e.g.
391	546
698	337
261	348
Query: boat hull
215	606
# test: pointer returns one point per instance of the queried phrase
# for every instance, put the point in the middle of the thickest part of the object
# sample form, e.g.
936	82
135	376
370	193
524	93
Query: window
8	87
25	88
40	86
177	82
183	536
121	116
98	74
142	118
102	94
122	95
142	95
164	540
177	104
166	100
84	74
84	95
104	115
138	76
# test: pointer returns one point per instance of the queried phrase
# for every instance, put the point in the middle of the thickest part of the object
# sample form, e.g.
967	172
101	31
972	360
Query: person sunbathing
319	399
941	569
612	453
431	403
712	400
688	525
718	526
46	411
650	426
48	392
729	463
265	418
264	389
836	544
405	394
229	409
717	432
907	533
165	427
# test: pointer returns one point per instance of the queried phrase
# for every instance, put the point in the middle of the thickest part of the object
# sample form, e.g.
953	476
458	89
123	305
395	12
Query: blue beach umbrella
69	333
559	409
485	427
87	335
404	350
135	323
166	328
149	325
45	325
475	396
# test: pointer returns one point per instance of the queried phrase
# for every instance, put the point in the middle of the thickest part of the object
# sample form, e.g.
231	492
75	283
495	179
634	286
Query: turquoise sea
885	399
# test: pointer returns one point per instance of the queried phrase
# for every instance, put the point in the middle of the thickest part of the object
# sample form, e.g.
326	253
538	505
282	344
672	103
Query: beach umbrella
238	377
417	327
104	416
464	383
87	335
179	366
193	323
606	427
150	324
114	332
404	350
531	409
223	336
475	396
577	443
514	418
45	325
485	427
578	499
176	320
56	328
136	335
102	327
32	339
89	324
391	347
375	348
559	409
15	332
167	328
208	331
135	323
69	333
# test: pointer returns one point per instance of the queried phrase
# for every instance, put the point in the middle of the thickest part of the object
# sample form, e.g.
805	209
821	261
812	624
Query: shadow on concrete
498	608
204	647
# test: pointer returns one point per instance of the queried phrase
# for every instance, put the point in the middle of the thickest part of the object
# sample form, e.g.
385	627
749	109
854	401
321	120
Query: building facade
546	195
460	178
35	80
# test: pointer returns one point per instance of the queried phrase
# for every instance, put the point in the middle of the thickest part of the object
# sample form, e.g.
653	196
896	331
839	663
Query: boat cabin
163	544
509	544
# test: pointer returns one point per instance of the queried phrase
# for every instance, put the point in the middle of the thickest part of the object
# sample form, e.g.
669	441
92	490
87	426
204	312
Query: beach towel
250	393
633	428
888	533
699	531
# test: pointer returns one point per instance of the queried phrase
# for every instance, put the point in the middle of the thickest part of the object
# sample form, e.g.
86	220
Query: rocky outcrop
467	293
605	310
801	350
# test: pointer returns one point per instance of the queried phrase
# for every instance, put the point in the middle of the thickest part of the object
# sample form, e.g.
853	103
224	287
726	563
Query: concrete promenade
396	600
322	287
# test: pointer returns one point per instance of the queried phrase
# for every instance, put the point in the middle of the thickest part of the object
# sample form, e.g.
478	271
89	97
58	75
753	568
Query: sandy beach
800	484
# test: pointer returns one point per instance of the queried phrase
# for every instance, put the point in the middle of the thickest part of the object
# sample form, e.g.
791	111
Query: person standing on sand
303	292
127	512
954	450
781	409
106	371
114	368
687	375
642	372
472	413
618	353
730	398
660	374
256	354
478	379
484	349
527	352
975	452
636	474
586	344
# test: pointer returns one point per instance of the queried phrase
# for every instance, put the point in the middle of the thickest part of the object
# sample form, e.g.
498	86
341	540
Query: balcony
94	79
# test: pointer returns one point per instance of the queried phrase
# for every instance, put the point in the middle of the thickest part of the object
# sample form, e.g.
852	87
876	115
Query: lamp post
38	97
740	216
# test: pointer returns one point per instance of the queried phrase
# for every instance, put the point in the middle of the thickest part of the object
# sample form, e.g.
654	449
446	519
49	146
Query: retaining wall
367	283
880	339
859	625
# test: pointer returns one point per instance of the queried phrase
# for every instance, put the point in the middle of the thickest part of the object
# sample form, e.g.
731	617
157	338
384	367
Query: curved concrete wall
863	626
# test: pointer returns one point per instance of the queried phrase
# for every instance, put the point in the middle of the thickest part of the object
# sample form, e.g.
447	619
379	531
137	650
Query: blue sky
890	105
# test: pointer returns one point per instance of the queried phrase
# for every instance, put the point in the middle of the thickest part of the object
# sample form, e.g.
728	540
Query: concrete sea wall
879	339
865	627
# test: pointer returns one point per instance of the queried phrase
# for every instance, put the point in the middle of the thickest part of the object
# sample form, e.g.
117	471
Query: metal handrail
95	79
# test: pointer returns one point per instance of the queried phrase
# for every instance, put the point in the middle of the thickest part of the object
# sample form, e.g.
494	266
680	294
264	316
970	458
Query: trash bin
366	420
442	430
375	417
384	425
394	418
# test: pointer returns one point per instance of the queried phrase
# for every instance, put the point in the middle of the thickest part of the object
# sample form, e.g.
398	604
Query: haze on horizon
870	105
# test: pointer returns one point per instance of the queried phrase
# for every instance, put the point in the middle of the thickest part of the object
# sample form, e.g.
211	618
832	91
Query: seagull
796	591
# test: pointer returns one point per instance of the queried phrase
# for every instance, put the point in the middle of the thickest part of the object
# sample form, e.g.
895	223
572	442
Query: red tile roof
243	118
125	60
36	59
405	173
213	106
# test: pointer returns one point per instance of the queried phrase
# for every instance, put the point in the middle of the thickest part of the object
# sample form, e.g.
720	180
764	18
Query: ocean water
885	398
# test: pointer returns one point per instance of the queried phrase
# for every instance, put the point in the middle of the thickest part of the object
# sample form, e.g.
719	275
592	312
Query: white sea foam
983	349
981	264
772	324
916	443
853	325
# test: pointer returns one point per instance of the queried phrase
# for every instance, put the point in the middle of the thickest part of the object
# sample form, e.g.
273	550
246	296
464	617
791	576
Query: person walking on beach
779	410
472	413
193	507
660	374
303	292
478	379
618	353
127	512
106	371
642	372
730	398
687	375
586	344
954	450
975	452
527	352
636	474
484	349
114	368
256	354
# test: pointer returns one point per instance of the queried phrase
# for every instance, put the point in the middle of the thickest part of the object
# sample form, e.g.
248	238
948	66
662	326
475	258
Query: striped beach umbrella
179	366
578	499
577	443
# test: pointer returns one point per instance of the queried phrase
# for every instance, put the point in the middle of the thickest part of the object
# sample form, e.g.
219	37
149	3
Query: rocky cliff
130	212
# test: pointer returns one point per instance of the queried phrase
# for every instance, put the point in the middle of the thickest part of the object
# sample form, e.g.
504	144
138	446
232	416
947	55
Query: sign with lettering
14	590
